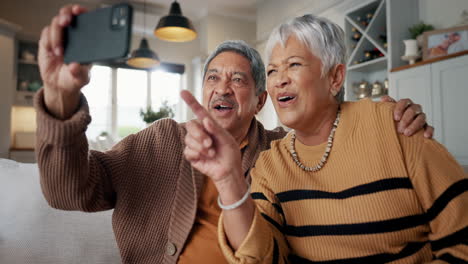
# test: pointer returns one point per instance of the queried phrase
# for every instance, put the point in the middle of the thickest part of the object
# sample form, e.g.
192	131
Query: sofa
33	232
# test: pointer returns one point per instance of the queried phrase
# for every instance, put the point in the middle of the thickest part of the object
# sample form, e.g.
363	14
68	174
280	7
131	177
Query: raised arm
62	82
72	178
243	227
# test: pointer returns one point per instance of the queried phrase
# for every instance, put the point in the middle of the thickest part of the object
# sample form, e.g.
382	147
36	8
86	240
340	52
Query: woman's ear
261	101
336	78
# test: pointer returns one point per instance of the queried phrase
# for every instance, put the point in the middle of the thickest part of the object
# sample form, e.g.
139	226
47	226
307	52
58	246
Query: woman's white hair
324	39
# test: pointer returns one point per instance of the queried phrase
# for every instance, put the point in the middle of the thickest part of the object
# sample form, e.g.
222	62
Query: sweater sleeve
265	242
71	177
442	189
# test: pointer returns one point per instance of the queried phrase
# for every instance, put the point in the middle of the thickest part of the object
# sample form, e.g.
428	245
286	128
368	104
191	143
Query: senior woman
343	186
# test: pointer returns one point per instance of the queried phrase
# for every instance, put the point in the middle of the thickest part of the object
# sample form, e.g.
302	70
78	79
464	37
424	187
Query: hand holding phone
62	82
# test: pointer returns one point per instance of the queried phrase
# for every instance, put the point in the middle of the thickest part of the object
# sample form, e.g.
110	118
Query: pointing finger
196	107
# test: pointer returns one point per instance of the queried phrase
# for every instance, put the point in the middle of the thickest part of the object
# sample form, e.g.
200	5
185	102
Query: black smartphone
99	36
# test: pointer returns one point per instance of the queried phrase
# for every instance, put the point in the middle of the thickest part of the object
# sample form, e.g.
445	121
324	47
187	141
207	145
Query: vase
411	47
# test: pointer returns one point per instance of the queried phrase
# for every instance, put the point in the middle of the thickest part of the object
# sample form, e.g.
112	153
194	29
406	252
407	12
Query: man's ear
337	77
261	101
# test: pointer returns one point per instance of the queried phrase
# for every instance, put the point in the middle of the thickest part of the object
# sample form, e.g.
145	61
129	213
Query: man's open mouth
222	107
285	98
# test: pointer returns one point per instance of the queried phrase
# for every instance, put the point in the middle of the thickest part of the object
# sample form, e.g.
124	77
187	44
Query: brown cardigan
144	178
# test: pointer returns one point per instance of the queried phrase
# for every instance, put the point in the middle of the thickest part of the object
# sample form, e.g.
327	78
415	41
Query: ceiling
194	9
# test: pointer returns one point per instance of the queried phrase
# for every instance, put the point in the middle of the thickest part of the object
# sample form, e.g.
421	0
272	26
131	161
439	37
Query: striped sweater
381	197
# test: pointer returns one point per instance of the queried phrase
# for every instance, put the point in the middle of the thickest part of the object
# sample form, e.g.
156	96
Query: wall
33	15
219	28
441	14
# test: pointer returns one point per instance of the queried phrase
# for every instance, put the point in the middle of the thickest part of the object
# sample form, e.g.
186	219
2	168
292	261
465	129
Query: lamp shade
143	57
175	27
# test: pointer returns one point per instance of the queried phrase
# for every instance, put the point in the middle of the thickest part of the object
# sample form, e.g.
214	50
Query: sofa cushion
33	232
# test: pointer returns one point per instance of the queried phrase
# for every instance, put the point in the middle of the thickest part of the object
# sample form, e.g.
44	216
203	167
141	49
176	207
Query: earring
334	93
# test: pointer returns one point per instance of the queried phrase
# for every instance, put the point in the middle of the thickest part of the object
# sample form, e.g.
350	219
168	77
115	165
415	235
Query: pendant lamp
143	57
175	27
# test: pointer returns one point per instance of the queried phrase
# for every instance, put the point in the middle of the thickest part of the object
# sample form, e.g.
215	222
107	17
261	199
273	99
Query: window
131	97
116	95
165	86
98	93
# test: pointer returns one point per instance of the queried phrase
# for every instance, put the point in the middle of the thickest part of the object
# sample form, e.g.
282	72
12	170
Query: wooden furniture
7	82
382	35
441	88
28	76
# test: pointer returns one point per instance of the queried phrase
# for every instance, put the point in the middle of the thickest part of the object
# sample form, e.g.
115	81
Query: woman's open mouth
285	100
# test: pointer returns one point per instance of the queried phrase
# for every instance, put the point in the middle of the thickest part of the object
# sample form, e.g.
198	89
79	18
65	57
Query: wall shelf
382	24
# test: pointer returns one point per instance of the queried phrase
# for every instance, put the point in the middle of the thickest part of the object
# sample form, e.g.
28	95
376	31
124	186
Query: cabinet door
414	83
450	99
7	51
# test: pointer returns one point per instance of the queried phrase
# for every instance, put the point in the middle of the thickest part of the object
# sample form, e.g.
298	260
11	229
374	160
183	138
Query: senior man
164	210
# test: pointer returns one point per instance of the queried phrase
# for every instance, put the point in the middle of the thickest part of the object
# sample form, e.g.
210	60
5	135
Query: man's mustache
223	99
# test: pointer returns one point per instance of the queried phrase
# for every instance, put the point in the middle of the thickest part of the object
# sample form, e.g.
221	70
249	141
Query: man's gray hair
324	39
256	64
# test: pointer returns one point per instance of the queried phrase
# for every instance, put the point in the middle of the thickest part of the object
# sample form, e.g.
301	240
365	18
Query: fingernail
397	117
63	20
407	132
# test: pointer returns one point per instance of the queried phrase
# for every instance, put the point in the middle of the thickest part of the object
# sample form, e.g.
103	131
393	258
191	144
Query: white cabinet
450	105
414	83
442	89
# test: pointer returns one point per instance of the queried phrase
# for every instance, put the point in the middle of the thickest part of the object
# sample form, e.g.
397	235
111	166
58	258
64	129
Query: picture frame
445	42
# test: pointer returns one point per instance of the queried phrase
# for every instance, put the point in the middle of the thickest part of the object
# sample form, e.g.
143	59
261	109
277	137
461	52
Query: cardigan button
171	249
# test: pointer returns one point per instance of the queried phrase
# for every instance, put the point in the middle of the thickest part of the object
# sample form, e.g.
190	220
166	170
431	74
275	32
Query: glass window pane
165	86
131	97
98	93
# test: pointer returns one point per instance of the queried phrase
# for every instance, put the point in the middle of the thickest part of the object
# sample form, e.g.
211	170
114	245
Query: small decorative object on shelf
364	21
386	84
444	42
411	51
383	38
417	31
371	55
356	35
377	89
362	89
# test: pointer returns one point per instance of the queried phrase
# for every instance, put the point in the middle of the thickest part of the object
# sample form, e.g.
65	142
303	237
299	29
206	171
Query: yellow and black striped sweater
380	198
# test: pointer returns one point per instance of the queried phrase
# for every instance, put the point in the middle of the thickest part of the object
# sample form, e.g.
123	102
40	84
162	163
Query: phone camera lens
122	11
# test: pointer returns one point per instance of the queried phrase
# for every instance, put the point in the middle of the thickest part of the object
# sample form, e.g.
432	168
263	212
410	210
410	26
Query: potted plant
417	31
149	116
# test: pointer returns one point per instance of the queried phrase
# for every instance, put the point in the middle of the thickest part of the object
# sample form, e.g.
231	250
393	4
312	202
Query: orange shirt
202	244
